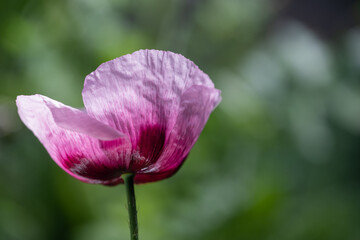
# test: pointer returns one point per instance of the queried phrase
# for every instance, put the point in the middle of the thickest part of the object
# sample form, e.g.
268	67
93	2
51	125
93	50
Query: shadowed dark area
327	17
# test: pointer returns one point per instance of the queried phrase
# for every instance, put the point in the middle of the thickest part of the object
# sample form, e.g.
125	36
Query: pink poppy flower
143	114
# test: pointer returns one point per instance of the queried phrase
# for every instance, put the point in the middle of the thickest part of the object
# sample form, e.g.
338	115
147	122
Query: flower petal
79	121
196	105
75	148
141	91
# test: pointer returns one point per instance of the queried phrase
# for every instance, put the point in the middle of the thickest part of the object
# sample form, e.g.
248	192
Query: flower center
149	147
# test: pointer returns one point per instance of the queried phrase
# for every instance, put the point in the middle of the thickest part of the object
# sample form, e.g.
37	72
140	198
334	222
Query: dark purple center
148	148
91	170
147	151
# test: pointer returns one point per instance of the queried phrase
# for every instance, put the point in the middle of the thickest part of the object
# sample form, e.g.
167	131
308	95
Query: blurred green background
278	159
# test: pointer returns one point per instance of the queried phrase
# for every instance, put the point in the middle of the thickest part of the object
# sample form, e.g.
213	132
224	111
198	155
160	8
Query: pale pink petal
77	149
141	91
79	121
196	105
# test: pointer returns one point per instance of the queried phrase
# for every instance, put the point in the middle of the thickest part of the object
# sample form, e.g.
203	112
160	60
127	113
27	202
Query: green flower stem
130	194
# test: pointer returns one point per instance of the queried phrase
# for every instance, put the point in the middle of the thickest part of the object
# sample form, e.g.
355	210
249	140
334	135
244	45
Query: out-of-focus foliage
278	159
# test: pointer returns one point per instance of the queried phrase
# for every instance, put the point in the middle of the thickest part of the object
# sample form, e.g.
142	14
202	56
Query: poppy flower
143	113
